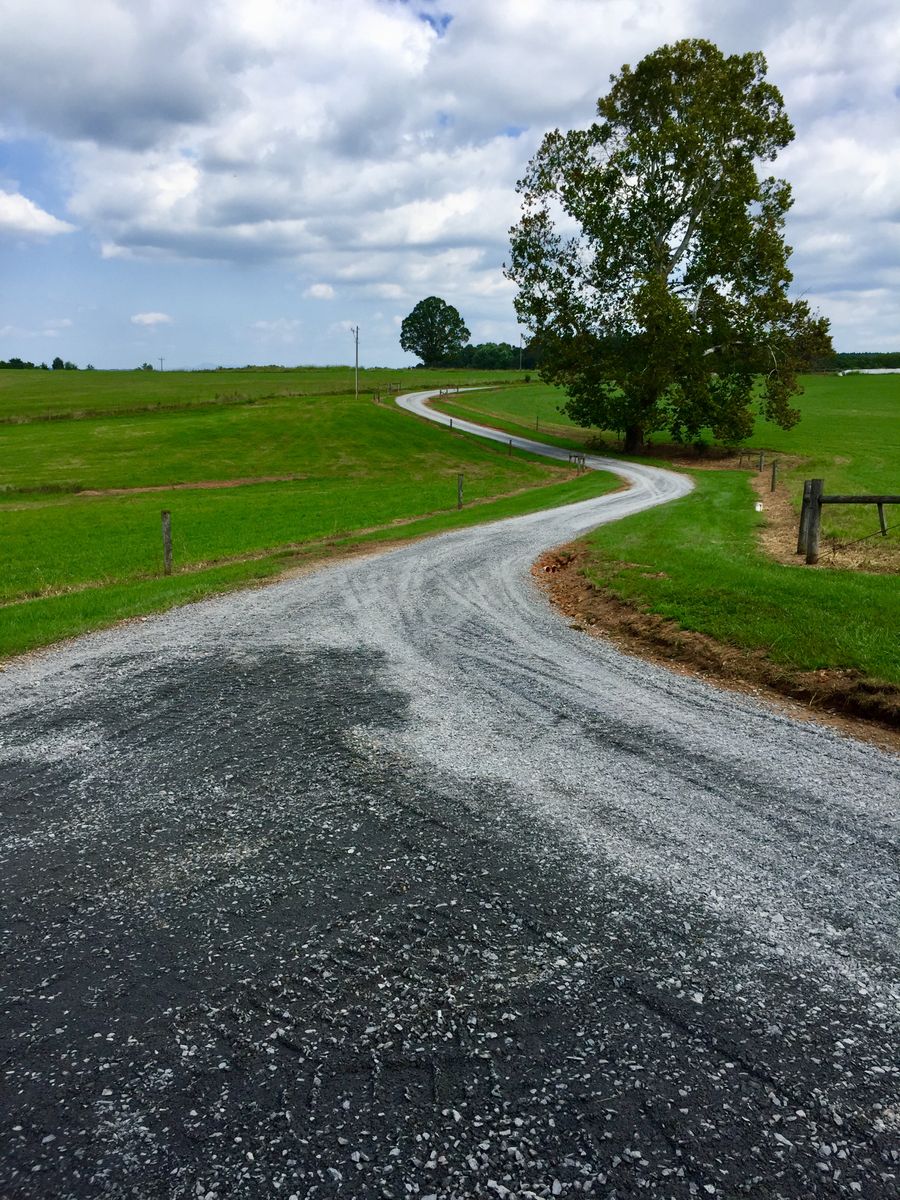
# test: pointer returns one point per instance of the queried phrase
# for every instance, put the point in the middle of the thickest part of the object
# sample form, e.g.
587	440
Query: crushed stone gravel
383	882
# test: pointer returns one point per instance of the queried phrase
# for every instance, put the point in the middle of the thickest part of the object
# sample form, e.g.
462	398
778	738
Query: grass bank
28	624
848	436
59	395
252	487
698	562
526	410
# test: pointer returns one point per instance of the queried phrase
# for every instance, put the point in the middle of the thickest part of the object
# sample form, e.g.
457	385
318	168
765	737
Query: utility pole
354	329
161	361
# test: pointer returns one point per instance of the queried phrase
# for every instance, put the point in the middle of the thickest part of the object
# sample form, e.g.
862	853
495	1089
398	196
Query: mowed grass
39	622
696	561
42	395
61	543
848	435
354	469
715	579
316	437
526	410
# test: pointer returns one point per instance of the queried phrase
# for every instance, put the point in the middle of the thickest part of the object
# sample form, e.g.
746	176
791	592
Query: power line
354	329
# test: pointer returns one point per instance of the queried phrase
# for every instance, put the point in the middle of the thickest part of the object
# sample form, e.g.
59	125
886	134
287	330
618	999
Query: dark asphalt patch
249	951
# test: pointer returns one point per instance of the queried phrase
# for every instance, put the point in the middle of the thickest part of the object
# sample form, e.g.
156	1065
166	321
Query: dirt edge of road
846	700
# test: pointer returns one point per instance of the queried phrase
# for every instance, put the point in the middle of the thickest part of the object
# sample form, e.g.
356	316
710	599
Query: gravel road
383	882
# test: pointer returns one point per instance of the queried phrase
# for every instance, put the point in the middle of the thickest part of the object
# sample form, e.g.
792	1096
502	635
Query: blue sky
230	183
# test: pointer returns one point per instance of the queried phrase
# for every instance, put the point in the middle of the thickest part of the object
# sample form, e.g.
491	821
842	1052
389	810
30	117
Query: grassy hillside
42	395
849	435
277	478
528	409
698	562
316	437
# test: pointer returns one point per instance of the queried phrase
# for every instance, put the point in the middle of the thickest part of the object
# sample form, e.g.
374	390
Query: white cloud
388	291
50	329
151	318
19	215
350	141
280	331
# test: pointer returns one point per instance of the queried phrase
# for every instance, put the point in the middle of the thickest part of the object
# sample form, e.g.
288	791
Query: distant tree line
20	364
495	356
857	361
436	332
58	364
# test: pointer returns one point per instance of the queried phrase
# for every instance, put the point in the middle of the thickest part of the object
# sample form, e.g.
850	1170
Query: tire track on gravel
382	881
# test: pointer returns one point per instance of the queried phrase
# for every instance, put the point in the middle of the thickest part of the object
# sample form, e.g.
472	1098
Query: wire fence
814	499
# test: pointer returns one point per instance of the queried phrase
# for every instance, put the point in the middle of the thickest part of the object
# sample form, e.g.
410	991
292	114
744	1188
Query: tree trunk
634	439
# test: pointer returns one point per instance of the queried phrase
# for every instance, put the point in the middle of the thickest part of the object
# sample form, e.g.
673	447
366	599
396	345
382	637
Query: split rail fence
811	515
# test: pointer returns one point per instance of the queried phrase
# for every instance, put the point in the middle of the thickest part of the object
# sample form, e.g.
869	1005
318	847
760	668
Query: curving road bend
383	882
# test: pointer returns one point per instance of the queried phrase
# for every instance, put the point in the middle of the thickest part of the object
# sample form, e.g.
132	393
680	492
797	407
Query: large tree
650	258
434	331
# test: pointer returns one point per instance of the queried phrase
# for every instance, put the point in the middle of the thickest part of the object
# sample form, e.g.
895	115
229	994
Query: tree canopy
495	356
434	331
17	364
650	258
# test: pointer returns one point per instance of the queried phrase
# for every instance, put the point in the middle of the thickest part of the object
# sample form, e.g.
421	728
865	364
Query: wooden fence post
774	475
881	520
814	521
167	541
762	460
459	490
510	448
804	517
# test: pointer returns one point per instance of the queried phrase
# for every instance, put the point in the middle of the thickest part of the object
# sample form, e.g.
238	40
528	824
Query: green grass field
716	580
528	409
316	437
27	624
849	435
696	561
356	469
75	561
43	395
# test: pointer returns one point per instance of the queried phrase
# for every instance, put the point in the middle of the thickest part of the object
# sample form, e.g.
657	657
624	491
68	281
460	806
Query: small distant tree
650	257
58	364
70	366
146	367
434	331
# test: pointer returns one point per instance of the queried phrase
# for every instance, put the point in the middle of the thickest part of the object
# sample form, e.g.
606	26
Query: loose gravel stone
382	882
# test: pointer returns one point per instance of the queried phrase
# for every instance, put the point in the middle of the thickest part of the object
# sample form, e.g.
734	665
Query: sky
242	181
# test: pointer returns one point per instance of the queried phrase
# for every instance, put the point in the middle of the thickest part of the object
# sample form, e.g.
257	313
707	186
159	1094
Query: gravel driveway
383	882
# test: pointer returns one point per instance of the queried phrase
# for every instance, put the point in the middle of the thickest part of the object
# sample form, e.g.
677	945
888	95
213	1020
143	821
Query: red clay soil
846	699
